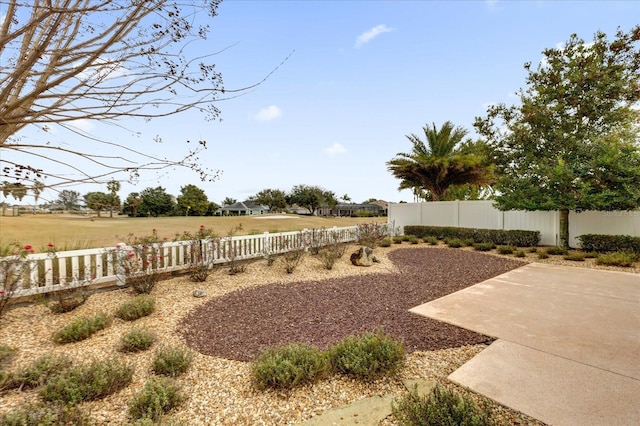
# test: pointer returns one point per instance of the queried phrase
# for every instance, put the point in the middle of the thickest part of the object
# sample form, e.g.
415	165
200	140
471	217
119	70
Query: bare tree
69	60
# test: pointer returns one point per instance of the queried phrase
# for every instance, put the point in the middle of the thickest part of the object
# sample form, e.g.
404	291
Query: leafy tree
444	161
275	199
97	201
68	199
113	186
212	209
369	200
346	198
156	202
573	141
131	204
192	201
68	60
311	197
229	201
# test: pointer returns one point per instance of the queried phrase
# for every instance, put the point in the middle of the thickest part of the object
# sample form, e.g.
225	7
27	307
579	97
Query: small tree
275	199
69	200
97	201
192	201
156	202
311	197
573	142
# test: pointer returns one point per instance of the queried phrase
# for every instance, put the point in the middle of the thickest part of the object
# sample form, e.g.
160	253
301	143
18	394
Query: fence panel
482	214
50	272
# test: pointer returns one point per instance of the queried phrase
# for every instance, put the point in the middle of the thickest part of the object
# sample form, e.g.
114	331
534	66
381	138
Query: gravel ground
322	305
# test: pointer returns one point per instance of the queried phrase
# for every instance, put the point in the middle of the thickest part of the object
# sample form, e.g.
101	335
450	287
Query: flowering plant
200	254
13	268
141	261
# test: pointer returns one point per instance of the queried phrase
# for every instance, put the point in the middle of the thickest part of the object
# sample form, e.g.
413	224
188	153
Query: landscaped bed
264	307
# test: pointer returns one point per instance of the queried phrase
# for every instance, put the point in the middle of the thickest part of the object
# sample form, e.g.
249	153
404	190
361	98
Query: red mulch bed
239	324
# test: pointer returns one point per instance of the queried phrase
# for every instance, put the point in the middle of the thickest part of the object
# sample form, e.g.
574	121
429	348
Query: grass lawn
71	232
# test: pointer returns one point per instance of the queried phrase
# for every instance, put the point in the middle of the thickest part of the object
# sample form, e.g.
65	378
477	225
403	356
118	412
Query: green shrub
618	258
591	255
519	253
483	246
412	239
543	255
575	256
555	250
7	354
38	371
515	237
455	243
431	240
172	361
81	329
609	243
136	340
44	415
158	396
533	250
505	249
89	382
398	239
292	259
440	407
367	356
140	306
288	366
386	242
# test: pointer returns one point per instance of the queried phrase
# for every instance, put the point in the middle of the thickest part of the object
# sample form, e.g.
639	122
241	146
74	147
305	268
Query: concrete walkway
569	342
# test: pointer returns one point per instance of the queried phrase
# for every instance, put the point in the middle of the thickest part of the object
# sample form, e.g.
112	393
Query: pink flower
131	254
118	246
154	230
201	226
50	245
27	247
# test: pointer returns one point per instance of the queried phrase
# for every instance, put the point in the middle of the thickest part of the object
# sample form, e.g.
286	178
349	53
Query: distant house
244	208
377	208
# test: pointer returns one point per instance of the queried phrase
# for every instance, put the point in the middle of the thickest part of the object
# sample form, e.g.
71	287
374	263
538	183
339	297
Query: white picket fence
49	272
482	214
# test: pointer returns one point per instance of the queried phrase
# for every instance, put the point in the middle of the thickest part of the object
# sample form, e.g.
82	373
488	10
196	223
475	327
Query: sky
358	77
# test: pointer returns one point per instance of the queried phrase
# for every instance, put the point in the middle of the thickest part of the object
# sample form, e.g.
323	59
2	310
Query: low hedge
609	243
512	237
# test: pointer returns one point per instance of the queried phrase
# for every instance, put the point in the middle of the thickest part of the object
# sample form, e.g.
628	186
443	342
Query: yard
263	307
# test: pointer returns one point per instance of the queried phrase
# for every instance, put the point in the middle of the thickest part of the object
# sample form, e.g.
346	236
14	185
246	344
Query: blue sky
363	74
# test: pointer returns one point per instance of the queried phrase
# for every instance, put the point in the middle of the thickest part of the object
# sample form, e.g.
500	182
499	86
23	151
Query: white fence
50	272
482	214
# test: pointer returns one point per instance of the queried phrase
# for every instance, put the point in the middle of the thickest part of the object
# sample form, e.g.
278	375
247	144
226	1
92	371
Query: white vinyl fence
50	272
482	214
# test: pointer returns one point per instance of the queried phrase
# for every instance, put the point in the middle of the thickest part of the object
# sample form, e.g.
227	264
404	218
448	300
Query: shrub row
364	357
609	243
513	237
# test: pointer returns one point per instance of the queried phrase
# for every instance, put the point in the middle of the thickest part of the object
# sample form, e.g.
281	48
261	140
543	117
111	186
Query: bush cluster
37	372
136	340
158	396
285	367
45	415
138	307
364	357
440	407
92	381
515	237
557	251
172	361
81	328
609	243
619	258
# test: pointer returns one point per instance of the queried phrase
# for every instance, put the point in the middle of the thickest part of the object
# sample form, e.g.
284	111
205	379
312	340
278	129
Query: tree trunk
564	228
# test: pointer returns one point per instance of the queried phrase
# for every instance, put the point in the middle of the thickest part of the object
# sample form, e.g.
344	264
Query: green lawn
70	232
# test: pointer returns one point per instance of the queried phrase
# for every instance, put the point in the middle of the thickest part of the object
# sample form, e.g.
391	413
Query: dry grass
85	232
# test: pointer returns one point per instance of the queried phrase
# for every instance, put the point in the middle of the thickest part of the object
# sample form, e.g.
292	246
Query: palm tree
113	186
37	189
444	161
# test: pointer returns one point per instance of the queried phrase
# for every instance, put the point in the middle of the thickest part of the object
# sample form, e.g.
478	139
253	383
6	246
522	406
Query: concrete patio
568	348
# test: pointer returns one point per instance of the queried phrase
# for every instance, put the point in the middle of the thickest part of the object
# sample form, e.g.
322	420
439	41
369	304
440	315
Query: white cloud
367	36
335	149
267	114
83	125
